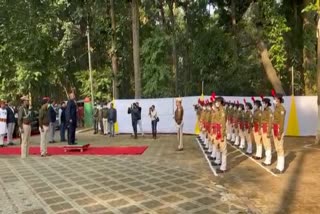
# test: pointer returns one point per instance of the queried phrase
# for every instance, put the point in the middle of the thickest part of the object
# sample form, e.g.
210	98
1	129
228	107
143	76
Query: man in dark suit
11	122
71	119
52	114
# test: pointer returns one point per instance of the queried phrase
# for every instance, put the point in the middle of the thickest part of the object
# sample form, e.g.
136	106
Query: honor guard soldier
205	124
257	134
202	116
236	123
228	108
221	155
247	126
178	117
233	110
198	109
212	128
24	123
241	126
3	122
208	128
278	131
266	119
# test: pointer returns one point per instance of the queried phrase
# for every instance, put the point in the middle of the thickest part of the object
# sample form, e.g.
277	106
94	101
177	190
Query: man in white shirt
3	122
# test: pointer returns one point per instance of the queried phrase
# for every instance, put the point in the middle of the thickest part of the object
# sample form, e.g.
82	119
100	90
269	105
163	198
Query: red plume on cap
273	92
212	99
262	97
252	98
213	96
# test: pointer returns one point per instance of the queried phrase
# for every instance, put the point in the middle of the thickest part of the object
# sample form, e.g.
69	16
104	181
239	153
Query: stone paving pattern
97	184
115	184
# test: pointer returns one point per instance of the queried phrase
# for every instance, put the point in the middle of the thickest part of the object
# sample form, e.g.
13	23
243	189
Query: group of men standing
222	121
104	118
47	120
7	122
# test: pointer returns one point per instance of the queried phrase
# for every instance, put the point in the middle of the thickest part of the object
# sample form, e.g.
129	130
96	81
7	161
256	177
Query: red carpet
116	150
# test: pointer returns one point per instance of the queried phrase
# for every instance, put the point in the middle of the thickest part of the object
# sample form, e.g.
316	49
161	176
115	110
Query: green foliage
43	48
102	84
156	71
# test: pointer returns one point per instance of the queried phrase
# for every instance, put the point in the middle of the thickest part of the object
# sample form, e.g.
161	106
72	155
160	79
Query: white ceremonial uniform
3	125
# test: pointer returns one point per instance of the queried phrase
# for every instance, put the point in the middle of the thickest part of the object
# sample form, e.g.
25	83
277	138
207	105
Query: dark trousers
95	125
62	132
71	133
134	126
98	121
154	128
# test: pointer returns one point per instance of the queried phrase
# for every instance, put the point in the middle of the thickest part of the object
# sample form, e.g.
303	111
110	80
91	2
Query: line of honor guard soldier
222	121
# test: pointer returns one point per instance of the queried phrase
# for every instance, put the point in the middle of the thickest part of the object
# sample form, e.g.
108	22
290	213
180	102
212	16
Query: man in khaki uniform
257	134
221	155
44	126
213	132
198	108
232	111
178	117
278	132
241	120
24	123
266	119
208	127
228	124
205	124
247	127
236	122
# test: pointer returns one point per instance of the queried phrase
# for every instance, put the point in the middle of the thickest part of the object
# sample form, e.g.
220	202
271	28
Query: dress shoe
221	171
179	150
247	153
277	171
211	158
11	144
216	164
256	157
265	164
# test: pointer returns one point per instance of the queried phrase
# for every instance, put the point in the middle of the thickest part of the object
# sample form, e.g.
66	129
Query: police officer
257	134
178	117
213	132
247	127
278	132
24	123
241	119
266	119
221	155
236	123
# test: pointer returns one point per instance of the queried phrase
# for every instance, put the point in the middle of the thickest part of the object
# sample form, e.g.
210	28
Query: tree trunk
318	80
269	69
136	48
114	58
163	18
233	13
309	53
174	48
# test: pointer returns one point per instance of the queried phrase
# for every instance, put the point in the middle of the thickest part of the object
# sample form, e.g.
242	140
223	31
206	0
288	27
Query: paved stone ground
159	181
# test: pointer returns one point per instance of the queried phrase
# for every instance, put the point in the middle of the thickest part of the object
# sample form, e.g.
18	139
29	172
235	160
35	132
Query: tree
113	52
136	48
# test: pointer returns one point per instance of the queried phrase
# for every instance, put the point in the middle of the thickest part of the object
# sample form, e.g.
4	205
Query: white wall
306	111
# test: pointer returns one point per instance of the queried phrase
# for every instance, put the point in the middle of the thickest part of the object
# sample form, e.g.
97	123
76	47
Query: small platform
80	148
